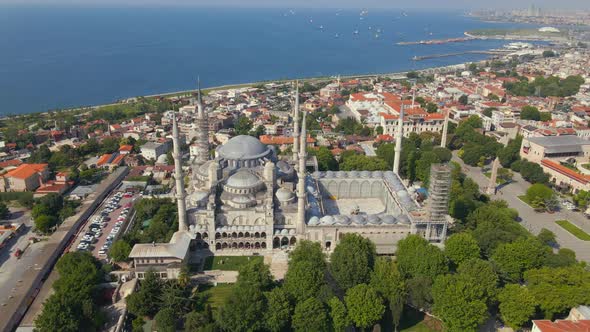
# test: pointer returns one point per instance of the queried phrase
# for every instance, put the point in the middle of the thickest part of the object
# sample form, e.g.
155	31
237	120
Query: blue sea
58	57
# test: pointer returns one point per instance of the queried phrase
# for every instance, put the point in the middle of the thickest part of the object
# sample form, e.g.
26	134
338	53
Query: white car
83	246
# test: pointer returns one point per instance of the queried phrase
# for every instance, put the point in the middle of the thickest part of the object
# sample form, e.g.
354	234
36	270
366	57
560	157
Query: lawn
586	166
498	179
416	321
216	295
574	230
228	263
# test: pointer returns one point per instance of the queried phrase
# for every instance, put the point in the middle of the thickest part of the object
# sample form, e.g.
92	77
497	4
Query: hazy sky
455	4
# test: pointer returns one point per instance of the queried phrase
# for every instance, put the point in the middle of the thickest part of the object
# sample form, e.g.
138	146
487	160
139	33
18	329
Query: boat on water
336	36
356	32
321	27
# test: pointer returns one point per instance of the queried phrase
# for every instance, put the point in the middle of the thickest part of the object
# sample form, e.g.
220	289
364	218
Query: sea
57	57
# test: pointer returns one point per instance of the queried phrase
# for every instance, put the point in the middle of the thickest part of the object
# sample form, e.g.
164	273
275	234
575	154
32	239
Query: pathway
530	219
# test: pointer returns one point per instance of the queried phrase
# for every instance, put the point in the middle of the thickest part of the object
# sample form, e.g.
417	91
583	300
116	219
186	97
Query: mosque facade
246	200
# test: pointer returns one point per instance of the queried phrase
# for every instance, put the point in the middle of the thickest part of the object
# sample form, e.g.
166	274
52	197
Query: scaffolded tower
434	226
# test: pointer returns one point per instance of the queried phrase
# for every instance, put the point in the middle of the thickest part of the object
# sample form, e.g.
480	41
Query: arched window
218	246
276	243
284	242
328	245
293	241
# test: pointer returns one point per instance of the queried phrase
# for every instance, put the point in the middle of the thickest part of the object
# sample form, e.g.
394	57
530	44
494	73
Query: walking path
531	220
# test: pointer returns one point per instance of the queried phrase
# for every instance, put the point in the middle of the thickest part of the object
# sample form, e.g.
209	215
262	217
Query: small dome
389	220
292	232
358	219
277	231
313	221
284	195
377	174
402	194
284	167
329	174
284	231
243	179
341	219
243	147
373	219
241	199
403	219
365	174
327	220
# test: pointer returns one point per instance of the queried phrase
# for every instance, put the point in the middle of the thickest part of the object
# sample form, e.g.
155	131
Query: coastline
393	75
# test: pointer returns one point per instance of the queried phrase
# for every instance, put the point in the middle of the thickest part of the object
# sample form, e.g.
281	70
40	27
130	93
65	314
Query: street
531	220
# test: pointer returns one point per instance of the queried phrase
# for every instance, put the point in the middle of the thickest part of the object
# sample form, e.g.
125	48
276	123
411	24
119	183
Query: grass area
586	166
416	321
514	32
216	295
228	263
574	230
498	179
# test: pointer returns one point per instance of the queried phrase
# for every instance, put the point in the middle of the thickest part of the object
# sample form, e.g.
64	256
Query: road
530	219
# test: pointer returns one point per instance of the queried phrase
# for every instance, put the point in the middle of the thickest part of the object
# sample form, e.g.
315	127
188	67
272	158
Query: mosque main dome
243	147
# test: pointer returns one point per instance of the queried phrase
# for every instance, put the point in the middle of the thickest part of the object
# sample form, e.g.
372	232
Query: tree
416	257
482	275
388	282
303	280
146	301
57	313
242	310
202	321
310	315
547	237
278	315
538	194
423	166
339	315
556	290
120	251
461	247
363	163
243	126
166	320
517	305
326	160
431	107
4	211
44	223
464	99
365	306
513	259
548	54
420	292
530	113
255	274
458	302
443	154
352	260
533	172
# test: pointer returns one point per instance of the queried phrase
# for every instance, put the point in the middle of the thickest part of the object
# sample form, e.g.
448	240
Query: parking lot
106	225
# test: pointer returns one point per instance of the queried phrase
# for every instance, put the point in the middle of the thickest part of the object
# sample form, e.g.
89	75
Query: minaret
491	189
296	123
398	141
179	177
301	184
443	139
202	141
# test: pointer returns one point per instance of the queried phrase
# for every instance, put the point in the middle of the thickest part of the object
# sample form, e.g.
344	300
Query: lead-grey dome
243	147
243	179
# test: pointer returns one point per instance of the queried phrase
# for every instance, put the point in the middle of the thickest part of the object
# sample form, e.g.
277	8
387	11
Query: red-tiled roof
103	159
126	148
565	171
10	163
24	171
118	159
562	326
280	140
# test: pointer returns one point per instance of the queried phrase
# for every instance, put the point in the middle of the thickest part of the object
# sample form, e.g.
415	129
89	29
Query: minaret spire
202	141
398	141
296	123
301	183
443	139
179	178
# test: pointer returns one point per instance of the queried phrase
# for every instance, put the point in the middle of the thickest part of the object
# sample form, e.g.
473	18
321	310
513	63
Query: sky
451	4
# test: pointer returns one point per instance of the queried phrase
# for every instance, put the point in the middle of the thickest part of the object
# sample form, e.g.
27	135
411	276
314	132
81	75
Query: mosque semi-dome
243	179
243	147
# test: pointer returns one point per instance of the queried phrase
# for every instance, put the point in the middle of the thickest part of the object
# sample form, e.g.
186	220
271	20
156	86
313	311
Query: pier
434	56
439	41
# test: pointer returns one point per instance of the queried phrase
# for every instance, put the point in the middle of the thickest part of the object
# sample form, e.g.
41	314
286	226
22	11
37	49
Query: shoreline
394	75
